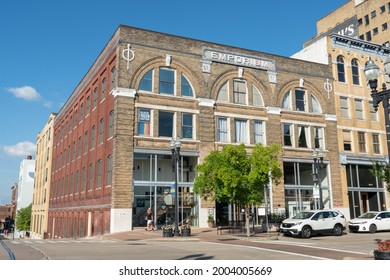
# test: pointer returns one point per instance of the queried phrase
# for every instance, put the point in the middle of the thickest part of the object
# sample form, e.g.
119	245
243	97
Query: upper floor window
376	143
103	89
101	131
318	138
258	131
167	81
373	113
113	78
146	83
241	131
347	140
111	124
186	88
288	135
223	130
109	170
165	124
144	120
344	107
359	109
355	71
298	100
303	136
240	91
187	126
340	69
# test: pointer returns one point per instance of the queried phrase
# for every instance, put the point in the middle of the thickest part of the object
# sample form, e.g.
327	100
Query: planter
210	224
167	232
273	227
378	255
186	232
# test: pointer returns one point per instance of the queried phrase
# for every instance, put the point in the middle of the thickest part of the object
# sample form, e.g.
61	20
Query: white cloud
27	93
21	149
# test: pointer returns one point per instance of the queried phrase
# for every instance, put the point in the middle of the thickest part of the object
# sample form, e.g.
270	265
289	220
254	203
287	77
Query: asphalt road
226	247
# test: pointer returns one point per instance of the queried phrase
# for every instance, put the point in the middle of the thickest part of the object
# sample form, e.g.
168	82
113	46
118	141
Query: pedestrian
149	220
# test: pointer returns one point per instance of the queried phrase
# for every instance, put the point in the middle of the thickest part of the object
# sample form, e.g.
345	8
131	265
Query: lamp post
175	149
318	158
371	71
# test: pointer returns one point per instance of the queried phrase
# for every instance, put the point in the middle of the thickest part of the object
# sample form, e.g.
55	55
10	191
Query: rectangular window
103	89
344	107
287	135
187	126
303	136
376	144
368	36
91	174
83	180
258	132
239	92
362	142
366	20
111	124
300	100
373	113
144	118
384	26
223	130
109	171
359	109
101	131
240	131
93	137
95	97
167	81
318	138
165	124
347	140
86	141
99	174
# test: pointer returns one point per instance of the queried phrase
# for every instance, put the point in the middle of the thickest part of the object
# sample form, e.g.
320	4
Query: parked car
372	222
308	223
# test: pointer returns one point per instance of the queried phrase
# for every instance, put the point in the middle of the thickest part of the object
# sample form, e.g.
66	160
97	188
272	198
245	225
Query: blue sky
47	46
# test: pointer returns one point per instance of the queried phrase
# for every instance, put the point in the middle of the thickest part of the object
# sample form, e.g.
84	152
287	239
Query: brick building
111	153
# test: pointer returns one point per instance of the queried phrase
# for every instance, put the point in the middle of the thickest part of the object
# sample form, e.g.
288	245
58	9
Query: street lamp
175	149
318	158
371	71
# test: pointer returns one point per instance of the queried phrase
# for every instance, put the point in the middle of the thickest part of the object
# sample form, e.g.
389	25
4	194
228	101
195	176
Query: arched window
257	99
223	93
316	107
340	69
167	80
146	83
300	99
355	71
186	88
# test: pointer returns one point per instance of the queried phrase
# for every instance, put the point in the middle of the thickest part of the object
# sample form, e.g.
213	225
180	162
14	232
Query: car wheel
306	232
337	230
372	228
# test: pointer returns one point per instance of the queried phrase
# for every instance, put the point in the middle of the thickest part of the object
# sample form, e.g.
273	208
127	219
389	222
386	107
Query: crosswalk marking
57	241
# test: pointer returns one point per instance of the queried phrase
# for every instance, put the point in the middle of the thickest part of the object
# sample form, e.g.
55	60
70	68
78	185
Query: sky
46	48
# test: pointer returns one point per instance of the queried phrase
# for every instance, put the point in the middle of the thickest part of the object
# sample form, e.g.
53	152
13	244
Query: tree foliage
23	218
382	172
232	176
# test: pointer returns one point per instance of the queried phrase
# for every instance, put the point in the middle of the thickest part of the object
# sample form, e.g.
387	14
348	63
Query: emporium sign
244	60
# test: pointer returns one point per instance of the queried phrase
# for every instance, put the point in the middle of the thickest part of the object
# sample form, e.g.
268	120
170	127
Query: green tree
231	175
23	218
382	172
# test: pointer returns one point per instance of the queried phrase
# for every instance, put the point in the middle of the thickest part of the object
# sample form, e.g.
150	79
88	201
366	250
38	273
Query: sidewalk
197	234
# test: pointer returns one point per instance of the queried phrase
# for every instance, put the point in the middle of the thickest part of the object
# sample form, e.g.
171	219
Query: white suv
307	223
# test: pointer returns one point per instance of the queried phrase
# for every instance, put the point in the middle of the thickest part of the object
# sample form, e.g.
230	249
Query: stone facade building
41	192
111	153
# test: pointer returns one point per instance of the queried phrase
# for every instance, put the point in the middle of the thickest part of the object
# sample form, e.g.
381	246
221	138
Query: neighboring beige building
366	20
40	204
361	130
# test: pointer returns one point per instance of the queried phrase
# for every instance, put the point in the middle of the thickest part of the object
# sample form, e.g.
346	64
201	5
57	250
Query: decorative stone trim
331	118
127	92
206	102
274	110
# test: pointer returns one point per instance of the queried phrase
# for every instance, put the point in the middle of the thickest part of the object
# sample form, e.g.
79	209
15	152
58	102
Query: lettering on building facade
210	54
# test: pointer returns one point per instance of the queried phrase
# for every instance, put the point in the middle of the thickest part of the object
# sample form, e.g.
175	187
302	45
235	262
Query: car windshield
303	215
368	215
